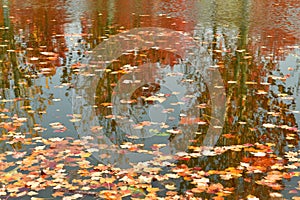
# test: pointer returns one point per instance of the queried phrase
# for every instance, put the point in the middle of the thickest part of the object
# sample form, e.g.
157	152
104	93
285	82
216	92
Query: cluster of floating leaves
66	166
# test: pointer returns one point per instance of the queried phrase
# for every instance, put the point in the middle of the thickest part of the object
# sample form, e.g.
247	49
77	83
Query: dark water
149	95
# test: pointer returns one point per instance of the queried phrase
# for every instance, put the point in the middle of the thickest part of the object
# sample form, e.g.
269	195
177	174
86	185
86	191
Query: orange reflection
37	27
275	25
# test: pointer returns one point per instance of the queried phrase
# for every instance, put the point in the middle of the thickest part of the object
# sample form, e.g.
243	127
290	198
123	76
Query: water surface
253	45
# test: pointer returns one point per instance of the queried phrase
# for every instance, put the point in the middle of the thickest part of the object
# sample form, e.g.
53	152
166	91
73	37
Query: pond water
103	99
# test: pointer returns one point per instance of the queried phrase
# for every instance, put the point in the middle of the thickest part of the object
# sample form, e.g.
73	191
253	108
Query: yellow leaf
85	155
150	189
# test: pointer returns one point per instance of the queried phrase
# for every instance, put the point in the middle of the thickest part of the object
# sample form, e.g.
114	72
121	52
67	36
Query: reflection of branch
206	117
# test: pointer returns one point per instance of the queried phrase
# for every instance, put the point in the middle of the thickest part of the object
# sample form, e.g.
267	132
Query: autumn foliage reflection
257	151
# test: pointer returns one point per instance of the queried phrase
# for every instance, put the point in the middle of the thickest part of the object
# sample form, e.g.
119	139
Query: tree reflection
244	42
247	110
27	48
